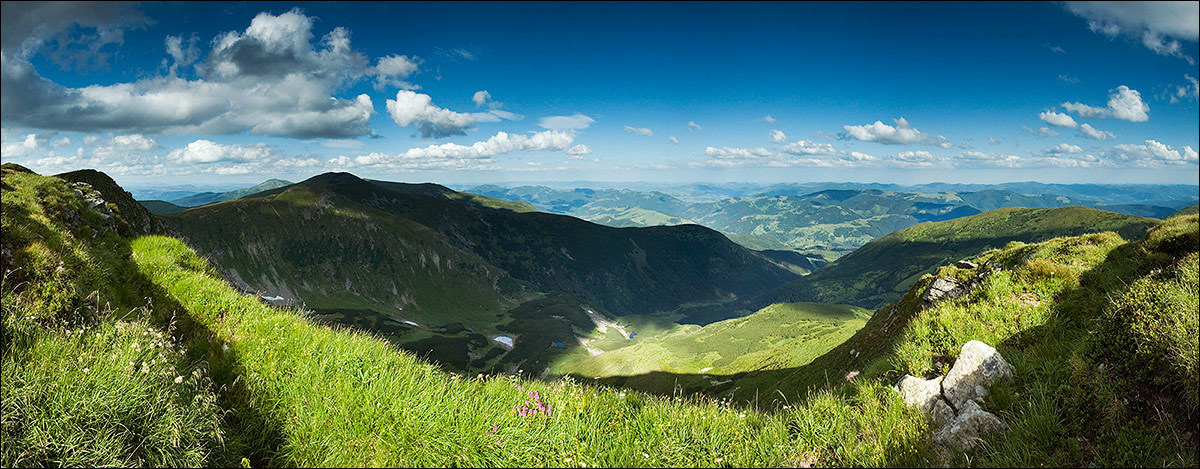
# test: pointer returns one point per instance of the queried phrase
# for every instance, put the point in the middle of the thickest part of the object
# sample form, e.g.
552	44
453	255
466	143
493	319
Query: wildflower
851	375
178	379
85	371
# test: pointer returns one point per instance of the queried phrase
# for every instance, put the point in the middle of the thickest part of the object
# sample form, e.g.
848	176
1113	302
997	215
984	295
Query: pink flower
851	375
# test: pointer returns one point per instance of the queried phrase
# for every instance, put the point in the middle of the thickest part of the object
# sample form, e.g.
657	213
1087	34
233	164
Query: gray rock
965	265
968	427
978	366
942	289
952	402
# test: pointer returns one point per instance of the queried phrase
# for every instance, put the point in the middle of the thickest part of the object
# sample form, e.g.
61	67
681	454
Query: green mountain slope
201	375
625	271
205	198
882	270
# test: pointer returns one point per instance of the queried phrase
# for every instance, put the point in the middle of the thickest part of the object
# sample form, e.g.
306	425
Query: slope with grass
777	337
624	271
882	270
293	392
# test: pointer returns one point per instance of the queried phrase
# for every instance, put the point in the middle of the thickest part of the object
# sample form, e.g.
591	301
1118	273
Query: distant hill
205	198
161	207
882	270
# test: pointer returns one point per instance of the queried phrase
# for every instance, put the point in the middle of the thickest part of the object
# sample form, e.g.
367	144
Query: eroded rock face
952	402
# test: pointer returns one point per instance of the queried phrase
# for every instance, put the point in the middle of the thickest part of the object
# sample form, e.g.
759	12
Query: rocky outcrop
949	288
952	402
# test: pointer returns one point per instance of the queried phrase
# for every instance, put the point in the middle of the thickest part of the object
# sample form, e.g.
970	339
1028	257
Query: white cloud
726	153
481	97
768	119
1187	92
572	122
271	79
579	150
415	108
1095	134
1126	104
454	156
205	151
777	136
1153	23
1068	78
1064	148
20	148
901	134
1123	103
392	70
1086	112
1058	119
673	140
861	156
989	159
692	125
1040	132
808	147
915	159
1154	154
640	131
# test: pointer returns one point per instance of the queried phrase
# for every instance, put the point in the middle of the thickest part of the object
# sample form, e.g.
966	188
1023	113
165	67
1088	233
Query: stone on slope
978	366
968	427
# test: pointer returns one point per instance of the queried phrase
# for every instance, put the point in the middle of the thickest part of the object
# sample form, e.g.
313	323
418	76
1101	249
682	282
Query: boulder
944	288
966	265
968	427
978	366
952	402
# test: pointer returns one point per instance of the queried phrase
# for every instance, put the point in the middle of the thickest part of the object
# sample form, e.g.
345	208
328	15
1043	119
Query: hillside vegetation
881	271
229	380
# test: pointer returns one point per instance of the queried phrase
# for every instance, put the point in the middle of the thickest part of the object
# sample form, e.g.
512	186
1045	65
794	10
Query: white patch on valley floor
602	323
504	340
411	323
272	298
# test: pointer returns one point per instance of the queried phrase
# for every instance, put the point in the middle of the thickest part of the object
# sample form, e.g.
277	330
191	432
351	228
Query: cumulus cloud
1058	119
1064	148
1040	132
1126	104
21	148
777	136
270	79
726	153
673	140
1095	134
481	97
205	151
455	156
411	108
808	147
768	119
901	134
640	131
1186	92
392	71
1155	24
1123	103
692	125
578	150
572	122
1153	154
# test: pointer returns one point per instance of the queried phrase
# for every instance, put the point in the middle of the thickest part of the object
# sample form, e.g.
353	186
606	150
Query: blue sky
167	93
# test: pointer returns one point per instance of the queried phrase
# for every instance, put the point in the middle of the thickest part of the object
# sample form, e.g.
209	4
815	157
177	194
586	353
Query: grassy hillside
779	336
205	198
291	392
882	270
625	271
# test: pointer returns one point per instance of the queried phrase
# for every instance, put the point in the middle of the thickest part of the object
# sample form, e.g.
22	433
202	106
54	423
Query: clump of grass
113	393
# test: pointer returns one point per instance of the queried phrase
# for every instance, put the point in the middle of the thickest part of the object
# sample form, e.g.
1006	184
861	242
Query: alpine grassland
133	351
